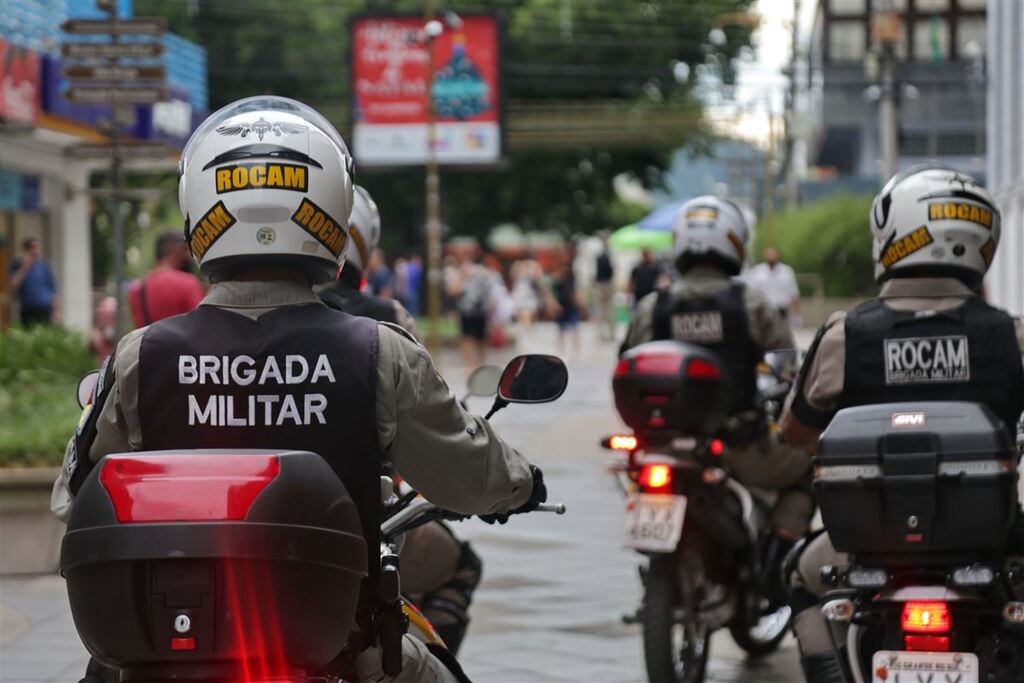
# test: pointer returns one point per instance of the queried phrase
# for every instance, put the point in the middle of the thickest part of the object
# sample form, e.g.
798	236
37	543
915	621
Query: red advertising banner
390	84
20	83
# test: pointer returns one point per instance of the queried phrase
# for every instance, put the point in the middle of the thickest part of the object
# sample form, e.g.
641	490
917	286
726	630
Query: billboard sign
390	86
20	83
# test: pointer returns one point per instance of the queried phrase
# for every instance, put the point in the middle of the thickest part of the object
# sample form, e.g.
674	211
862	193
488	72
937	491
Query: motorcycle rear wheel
675	650
764	636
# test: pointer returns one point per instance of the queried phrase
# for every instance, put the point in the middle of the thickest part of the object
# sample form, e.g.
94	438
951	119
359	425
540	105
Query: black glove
538	495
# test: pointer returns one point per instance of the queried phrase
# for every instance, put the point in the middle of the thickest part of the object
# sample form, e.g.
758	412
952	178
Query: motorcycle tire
762	638
674	652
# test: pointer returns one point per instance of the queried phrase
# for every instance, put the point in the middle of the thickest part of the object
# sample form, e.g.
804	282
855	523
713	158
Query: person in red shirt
168	289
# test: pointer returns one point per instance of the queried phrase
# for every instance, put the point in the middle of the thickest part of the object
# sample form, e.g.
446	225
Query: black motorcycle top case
919	480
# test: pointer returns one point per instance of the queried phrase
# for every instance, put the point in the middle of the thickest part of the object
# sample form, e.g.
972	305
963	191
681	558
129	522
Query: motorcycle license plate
925	667
654	522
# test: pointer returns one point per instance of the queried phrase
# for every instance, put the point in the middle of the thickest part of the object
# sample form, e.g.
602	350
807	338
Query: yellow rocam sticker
320	225
960	211
264	175
702	214
209	228
905	246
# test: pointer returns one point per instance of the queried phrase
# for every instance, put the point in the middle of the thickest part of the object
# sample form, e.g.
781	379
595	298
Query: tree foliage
830	237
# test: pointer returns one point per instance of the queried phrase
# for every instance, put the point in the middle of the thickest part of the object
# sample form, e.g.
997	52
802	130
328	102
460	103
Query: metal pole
887	124
117	177
433	203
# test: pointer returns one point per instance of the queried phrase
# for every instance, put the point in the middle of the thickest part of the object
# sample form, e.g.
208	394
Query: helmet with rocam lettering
934	221
363	229
710	230
266	182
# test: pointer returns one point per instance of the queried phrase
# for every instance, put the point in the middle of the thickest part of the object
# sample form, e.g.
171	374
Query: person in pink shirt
168	289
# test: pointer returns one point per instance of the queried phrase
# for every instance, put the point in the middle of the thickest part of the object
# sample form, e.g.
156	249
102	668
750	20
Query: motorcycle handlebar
420	511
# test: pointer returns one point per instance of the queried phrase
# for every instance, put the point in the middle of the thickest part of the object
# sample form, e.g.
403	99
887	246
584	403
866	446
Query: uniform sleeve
641	327
768	328
117	428
815	396
453	458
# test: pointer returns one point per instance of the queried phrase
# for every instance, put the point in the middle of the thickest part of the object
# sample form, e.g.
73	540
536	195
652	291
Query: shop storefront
44	192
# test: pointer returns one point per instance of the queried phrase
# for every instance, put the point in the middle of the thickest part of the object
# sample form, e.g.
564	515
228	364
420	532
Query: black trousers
36	315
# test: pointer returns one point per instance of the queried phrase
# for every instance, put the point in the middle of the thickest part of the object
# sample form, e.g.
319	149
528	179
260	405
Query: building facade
44	192
1005	282
938	54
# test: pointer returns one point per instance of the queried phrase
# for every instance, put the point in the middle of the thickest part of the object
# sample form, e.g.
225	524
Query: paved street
554	588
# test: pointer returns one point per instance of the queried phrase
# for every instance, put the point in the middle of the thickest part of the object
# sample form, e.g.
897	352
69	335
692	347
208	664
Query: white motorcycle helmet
266	182
711	230
363	229
931	220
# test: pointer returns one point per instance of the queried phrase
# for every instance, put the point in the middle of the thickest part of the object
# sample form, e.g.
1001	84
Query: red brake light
656	478
658	363
717	447
702	369
926	617
915	643
186	488
622	367
622	442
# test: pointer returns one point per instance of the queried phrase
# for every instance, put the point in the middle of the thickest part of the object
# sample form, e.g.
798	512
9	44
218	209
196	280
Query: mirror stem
499	403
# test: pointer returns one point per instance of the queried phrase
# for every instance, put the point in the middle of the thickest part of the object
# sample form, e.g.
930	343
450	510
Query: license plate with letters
654	522
925	667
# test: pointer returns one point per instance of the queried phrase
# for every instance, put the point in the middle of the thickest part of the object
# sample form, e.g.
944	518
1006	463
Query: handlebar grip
557	508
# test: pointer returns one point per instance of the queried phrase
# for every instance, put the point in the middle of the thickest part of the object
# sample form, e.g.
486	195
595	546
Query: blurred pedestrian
526	292
379	277
644	278
778	282
567	306
604	274
103	338
471	291
414	275
503	307
170	288
33	281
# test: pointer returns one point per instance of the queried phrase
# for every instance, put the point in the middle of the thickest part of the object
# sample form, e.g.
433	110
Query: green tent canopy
633	238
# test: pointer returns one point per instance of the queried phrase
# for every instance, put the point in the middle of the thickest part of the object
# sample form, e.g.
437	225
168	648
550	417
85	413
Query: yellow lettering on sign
963	211
209	228
264	175
320	225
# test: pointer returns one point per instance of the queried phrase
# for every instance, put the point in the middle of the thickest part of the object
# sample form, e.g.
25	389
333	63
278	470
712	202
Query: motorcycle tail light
186	488
917	643
717	447
702	369
656	478
867	577
658	363
926	617
622	442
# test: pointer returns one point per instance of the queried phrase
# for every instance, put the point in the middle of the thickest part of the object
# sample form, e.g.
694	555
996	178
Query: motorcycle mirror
484	381
533	378
86	385
783	363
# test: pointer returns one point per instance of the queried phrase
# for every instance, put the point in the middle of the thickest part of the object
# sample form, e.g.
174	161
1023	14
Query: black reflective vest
299	378
344	295
967	353
719	323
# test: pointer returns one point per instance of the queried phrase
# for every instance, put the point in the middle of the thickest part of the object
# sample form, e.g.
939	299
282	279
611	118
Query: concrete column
71	224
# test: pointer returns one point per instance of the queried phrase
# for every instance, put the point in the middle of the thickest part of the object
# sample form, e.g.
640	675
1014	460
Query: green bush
830	237
39	372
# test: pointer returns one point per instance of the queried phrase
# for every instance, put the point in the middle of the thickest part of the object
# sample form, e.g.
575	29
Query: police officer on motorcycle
439	571
345	294
266	189
709	307
935	231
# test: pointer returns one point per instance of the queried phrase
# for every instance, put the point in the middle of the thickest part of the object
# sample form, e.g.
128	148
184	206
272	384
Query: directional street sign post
115	95
113	73
112	50
138	26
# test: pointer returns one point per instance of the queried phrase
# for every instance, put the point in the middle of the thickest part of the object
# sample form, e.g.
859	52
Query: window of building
960	144
970	30
844	7
926	6
847	41
914	144
972	4
931	40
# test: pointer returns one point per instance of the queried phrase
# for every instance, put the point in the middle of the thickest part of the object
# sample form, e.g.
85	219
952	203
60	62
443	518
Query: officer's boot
447	608
97	673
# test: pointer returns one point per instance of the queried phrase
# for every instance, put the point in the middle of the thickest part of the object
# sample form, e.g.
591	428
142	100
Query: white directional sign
114	95
138	26
111	50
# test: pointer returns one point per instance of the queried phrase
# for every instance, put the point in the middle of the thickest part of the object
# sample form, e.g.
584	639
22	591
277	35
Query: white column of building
70	221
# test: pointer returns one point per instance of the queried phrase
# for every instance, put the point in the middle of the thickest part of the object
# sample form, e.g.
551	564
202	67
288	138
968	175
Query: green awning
633	238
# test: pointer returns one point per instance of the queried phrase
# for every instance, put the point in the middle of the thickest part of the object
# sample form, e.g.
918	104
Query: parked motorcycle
923	497
217	566
703	532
